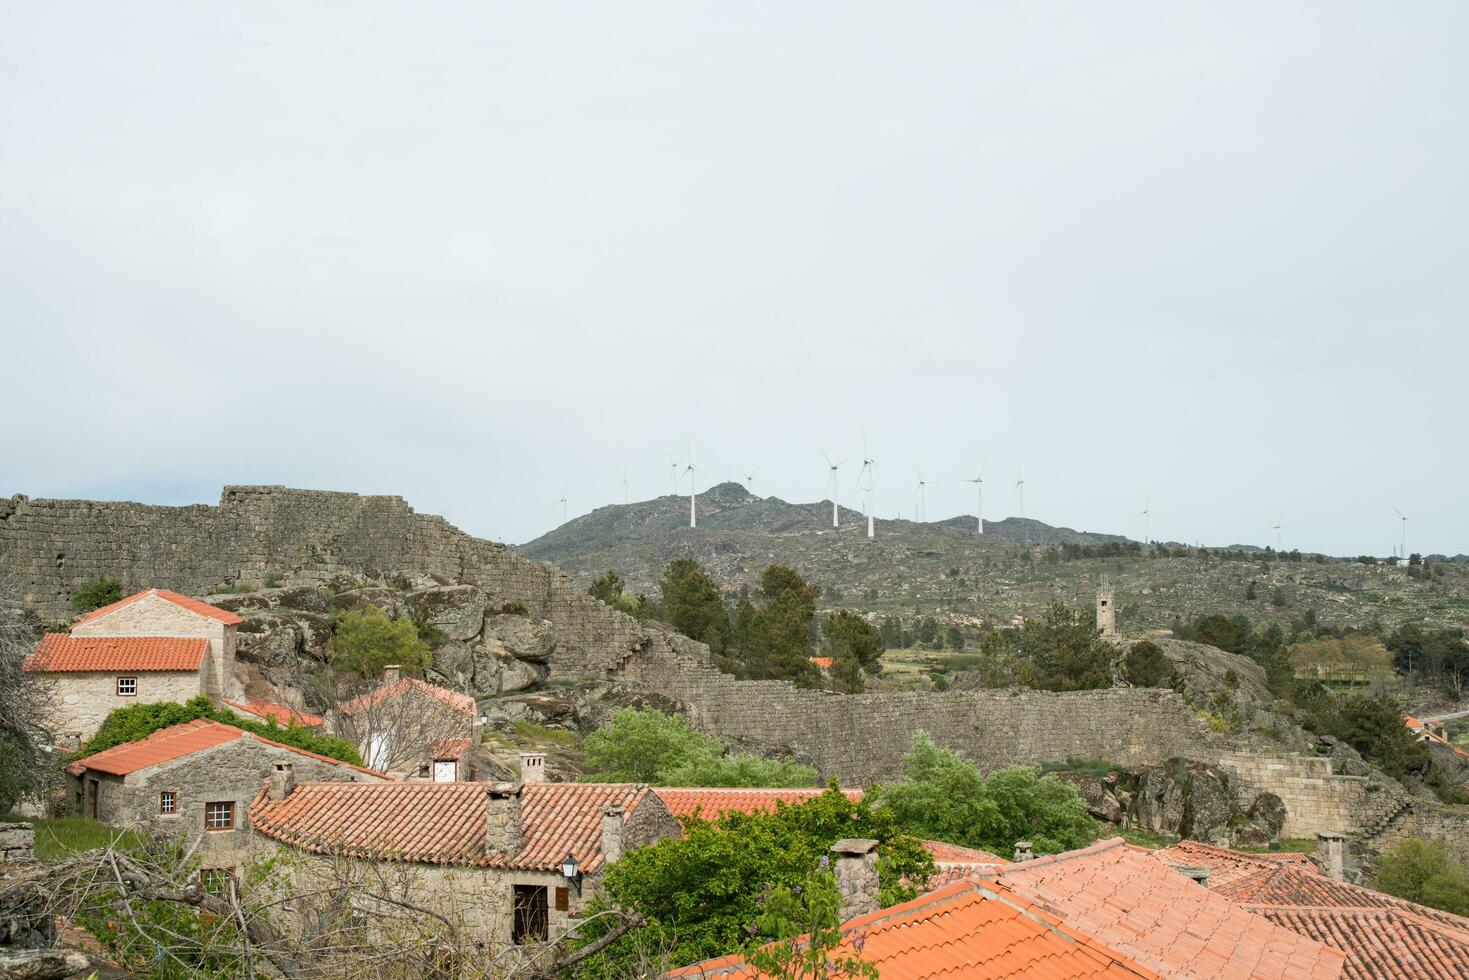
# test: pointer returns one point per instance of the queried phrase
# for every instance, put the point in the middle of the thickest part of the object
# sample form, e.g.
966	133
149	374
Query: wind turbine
562	502
1276	528
750	479
693	485
624	488
1146	515
833	467
978	482
869	466
1020	485
1402	548
922	492
673	473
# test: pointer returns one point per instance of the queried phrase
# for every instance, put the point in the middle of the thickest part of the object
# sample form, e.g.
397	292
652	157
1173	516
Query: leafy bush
1062	651
96	593
701	895
663	750
1144	665
366	640
944	797
514	609
1424	872
141	720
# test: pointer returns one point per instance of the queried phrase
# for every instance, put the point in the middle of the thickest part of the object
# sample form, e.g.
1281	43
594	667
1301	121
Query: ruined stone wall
1317	799
1413	817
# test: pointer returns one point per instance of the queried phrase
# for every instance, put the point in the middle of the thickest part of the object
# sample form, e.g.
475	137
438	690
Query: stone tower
1107	611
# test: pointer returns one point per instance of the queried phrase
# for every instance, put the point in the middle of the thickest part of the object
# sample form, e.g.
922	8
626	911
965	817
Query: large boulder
1185	798
504	675
1208	805
388	600
299	598
458	611
1158	801
269	639
521	637
1098	793
1261	824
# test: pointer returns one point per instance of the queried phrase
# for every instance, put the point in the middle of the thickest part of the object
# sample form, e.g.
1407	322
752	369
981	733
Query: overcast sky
1211	256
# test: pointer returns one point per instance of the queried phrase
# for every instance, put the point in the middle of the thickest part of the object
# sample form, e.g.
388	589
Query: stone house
150	647
197	778
399	725
490	857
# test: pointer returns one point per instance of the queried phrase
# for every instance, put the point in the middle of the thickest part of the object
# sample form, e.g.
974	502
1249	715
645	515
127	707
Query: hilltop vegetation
942	570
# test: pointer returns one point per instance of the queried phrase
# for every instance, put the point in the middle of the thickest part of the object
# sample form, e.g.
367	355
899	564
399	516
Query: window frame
229	806
168	803
530	919
126	694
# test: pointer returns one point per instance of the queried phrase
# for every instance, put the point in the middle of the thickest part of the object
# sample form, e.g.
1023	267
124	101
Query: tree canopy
701	895
647	746
1424	872
1062	650
366	640
96	593
692	603
854	645
943	796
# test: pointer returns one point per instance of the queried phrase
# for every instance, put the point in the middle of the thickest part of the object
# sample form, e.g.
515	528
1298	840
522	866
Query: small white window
127	687
166	802
446	772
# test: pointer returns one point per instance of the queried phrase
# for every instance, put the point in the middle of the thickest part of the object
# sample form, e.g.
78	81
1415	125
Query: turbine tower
693	485
1403	547
1146	515
1020	485
1276	528
921	491
562	502
869	467
833	478
750	479
978	482
673	473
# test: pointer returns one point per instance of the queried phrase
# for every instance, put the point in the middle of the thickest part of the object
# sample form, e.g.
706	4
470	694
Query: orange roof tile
384	692
63	653
1382	936
823	662
177	741
278	713
443	823
1129	898
448	749
968	929
192	605
945	853
710	802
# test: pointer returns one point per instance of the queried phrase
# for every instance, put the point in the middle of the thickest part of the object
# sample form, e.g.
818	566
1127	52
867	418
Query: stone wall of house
234	772
153	616
81	701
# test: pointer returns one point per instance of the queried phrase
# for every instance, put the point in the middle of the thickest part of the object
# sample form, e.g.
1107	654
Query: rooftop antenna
1403	547
833	478
922	512
693	483
1276	528
978	482
869	466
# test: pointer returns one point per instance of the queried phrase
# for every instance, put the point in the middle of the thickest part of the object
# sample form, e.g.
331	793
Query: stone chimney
856	871
502	818
1024	851
1331	855
614	841
1200	875
282	780
391	673
532	767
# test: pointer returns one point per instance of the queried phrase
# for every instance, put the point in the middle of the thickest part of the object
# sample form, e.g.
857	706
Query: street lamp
570	871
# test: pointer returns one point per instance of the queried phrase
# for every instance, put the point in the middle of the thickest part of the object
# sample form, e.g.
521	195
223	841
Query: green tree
1425	872
1371	725
1144	665
1063	651
95	593
699	895
855	647
141	720
608	588
692	603
798	933
648	746
366	640
944	797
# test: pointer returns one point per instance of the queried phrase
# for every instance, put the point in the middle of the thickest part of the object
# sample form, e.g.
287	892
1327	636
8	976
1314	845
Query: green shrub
514	609
366	640
663	750
273	580
141	720
1424	872
96	593
1144	665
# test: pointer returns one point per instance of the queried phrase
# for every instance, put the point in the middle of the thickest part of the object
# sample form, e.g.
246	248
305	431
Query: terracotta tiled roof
944	853
443	823
177	741
385	692
1382	936
1132	900
966	930
278	713
710	802
62	653
192	605
448	749
823	662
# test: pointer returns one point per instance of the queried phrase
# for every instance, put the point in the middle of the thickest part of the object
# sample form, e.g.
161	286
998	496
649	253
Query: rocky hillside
944	570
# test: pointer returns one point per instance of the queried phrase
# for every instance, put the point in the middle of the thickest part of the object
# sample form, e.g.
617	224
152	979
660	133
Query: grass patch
1294	845
1146	838
1089	767
56	838
529	731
